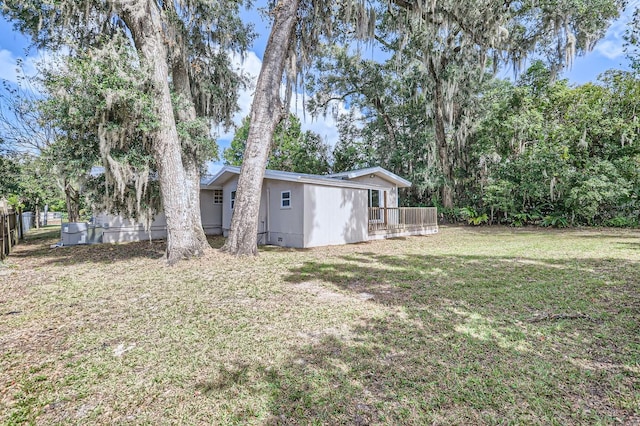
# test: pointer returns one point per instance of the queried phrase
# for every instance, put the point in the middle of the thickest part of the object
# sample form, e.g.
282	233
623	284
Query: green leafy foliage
26	183
472	216
352	151
568	155
422	103
9	176
293	150
555	221
104	115
448	215
522	219
622	222
541	149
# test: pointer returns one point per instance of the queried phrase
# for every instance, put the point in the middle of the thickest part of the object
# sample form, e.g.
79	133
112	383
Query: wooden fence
10	229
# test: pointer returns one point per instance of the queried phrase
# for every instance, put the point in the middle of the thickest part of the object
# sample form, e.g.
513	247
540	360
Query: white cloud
8	66
324	124
250	66
611	44
610	49
12	67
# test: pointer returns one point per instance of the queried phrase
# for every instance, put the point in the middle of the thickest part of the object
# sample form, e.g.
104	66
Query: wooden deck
392	222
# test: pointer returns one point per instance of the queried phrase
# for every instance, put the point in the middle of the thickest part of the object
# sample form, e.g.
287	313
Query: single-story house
300	210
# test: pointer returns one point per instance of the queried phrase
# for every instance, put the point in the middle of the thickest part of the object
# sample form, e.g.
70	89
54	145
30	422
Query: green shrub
555	221
448	215
472	216
622	222
523	219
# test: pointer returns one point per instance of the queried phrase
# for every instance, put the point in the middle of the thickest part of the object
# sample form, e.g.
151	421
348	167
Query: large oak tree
182	47
441	51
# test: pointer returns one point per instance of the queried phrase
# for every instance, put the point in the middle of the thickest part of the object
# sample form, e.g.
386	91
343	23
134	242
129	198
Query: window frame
283	199
218	196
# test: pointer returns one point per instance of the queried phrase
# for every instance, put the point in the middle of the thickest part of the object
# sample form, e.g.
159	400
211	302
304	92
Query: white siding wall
120	230
334	215
276	226
228	187
318	215
211	213
285	225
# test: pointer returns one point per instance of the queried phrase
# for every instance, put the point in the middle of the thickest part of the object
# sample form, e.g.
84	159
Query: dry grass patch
470	326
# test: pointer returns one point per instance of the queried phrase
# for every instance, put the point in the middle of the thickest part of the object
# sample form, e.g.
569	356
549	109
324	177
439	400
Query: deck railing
390	218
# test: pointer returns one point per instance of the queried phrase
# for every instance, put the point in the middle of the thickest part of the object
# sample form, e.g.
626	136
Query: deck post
386	210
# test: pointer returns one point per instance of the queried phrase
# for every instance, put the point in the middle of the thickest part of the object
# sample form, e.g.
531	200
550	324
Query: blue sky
607	54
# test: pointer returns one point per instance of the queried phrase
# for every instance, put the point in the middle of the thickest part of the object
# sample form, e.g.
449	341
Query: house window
374	198
217	196
285	200
233	199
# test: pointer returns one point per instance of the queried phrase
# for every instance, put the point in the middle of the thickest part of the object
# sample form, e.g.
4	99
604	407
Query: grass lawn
470	326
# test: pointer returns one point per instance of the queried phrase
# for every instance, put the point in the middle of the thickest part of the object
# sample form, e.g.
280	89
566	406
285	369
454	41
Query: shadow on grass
228	377
608	234
629	246
489	282
469	340
38	245
580	232
464	340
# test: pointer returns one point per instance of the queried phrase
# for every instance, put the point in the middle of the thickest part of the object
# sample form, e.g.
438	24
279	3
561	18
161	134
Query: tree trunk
183	239
388	124
441	140
192	189
266	113
186	113
72	200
